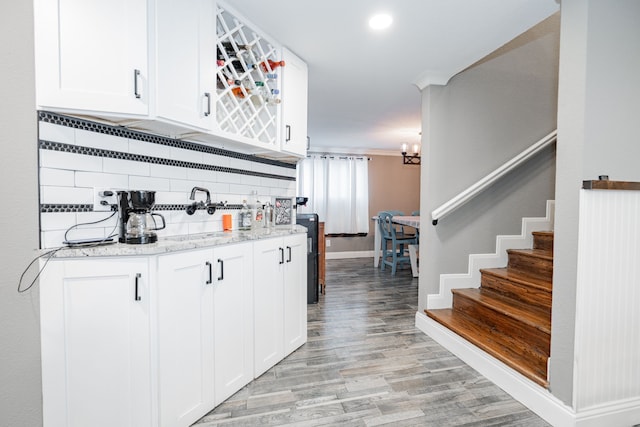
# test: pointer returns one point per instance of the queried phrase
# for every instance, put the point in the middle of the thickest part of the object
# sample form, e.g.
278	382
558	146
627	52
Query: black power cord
52	252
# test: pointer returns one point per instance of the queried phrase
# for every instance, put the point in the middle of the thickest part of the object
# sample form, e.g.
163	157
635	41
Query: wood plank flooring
365	364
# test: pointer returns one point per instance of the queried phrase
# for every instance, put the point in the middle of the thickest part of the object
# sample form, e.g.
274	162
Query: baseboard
348	254
536	398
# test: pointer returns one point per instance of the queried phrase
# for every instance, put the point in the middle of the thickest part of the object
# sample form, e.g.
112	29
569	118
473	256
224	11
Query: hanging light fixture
411	159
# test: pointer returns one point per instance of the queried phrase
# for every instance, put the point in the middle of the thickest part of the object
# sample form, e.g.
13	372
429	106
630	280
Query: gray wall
483	117
20	380
598	130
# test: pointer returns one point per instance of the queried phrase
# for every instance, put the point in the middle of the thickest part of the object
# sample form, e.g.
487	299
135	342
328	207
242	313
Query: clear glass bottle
259	217
245	216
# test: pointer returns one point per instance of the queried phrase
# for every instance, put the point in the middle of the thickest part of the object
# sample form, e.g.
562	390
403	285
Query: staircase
509	316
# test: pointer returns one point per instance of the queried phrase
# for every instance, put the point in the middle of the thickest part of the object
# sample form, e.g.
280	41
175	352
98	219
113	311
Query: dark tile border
121	131
61	208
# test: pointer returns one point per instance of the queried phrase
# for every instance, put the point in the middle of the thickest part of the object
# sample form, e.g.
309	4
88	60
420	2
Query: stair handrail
484	183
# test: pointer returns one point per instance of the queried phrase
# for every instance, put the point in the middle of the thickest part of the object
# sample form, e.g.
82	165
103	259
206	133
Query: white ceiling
363	85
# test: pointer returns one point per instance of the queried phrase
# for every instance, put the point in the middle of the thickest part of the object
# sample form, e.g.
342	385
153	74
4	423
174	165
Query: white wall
598	128
20	379
483	117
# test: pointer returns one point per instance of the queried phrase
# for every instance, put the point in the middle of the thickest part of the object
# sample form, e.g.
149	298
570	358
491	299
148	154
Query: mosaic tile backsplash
78	156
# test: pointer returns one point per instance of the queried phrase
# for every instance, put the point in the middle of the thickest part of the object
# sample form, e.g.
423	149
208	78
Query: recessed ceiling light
380	21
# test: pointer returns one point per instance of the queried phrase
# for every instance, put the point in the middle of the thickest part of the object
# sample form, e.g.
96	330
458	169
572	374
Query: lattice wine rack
247	80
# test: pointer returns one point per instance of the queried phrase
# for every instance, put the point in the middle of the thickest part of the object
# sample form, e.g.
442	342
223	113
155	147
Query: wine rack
247	86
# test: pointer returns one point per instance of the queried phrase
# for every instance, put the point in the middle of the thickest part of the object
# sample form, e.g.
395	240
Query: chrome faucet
210	207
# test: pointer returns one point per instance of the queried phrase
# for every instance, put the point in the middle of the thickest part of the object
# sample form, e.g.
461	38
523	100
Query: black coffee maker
137	222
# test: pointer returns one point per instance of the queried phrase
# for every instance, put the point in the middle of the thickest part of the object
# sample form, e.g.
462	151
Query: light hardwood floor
365	364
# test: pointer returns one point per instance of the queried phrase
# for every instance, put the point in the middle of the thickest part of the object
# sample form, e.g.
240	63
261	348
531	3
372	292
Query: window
338	191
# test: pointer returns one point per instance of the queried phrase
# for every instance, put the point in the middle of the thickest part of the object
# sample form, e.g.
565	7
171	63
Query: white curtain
338	191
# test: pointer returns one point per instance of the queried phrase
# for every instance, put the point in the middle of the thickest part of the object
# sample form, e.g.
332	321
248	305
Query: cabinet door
185	337
294	104
92	55
96	343
233	318
184	61
269	258
295	292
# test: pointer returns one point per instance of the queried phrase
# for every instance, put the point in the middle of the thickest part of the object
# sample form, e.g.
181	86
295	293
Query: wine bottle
238	47
241	91
270	65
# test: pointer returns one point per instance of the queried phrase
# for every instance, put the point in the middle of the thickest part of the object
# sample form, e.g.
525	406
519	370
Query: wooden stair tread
532	316
534	253
495	344
518	277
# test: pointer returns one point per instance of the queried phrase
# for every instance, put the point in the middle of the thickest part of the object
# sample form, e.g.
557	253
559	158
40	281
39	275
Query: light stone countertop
178	243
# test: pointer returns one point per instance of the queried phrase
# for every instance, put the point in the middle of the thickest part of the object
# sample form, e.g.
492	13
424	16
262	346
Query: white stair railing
486	182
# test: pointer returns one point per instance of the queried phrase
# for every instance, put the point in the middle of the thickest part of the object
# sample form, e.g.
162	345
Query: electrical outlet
103	198
328	242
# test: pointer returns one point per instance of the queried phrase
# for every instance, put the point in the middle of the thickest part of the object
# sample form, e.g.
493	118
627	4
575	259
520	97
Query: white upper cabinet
91	56
181	68
294	105
184	62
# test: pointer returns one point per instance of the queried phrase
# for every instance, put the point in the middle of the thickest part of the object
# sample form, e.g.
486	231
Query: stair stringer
471	279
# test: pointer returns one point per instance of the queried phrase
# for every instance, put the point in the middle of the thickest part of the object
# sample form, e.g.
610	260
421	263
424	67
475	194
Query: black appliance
310	221
137	222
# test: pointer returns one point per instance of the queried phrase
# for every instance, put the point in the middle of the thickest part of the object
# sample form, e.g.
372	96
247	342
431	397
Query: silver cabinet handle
288	137
208	111
136	77
289	250
281	256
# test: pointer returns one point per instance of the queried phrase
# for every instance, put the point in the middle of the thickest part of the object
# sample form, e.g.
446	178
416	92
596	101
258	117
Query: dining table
408	220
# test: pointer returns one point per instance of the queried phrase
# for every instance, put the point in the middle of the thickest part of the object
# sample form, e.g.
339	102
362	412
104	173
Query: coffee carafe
137	221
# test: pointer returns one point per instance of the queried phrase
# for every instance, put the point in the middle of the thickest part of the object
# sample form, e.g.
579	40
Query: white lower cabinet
233	318
185	337
280	298
295	292
96	351
160	340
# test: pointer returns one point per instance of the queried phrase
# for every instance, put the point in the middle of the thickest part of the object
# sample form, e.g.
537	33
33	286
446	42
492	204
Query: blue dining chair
395	254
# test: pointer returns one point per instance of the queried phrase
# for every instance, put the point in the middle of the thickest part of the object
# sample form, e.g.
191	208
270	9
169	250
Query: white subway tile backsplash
57	221
215	160
107	220
55	133
60	177
219	188
240	189
129	167
146	149
172	197
67	179
98	179
70	161
85	138
186	155
168	171
250	180
66	195
203	175
149	183
181	185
